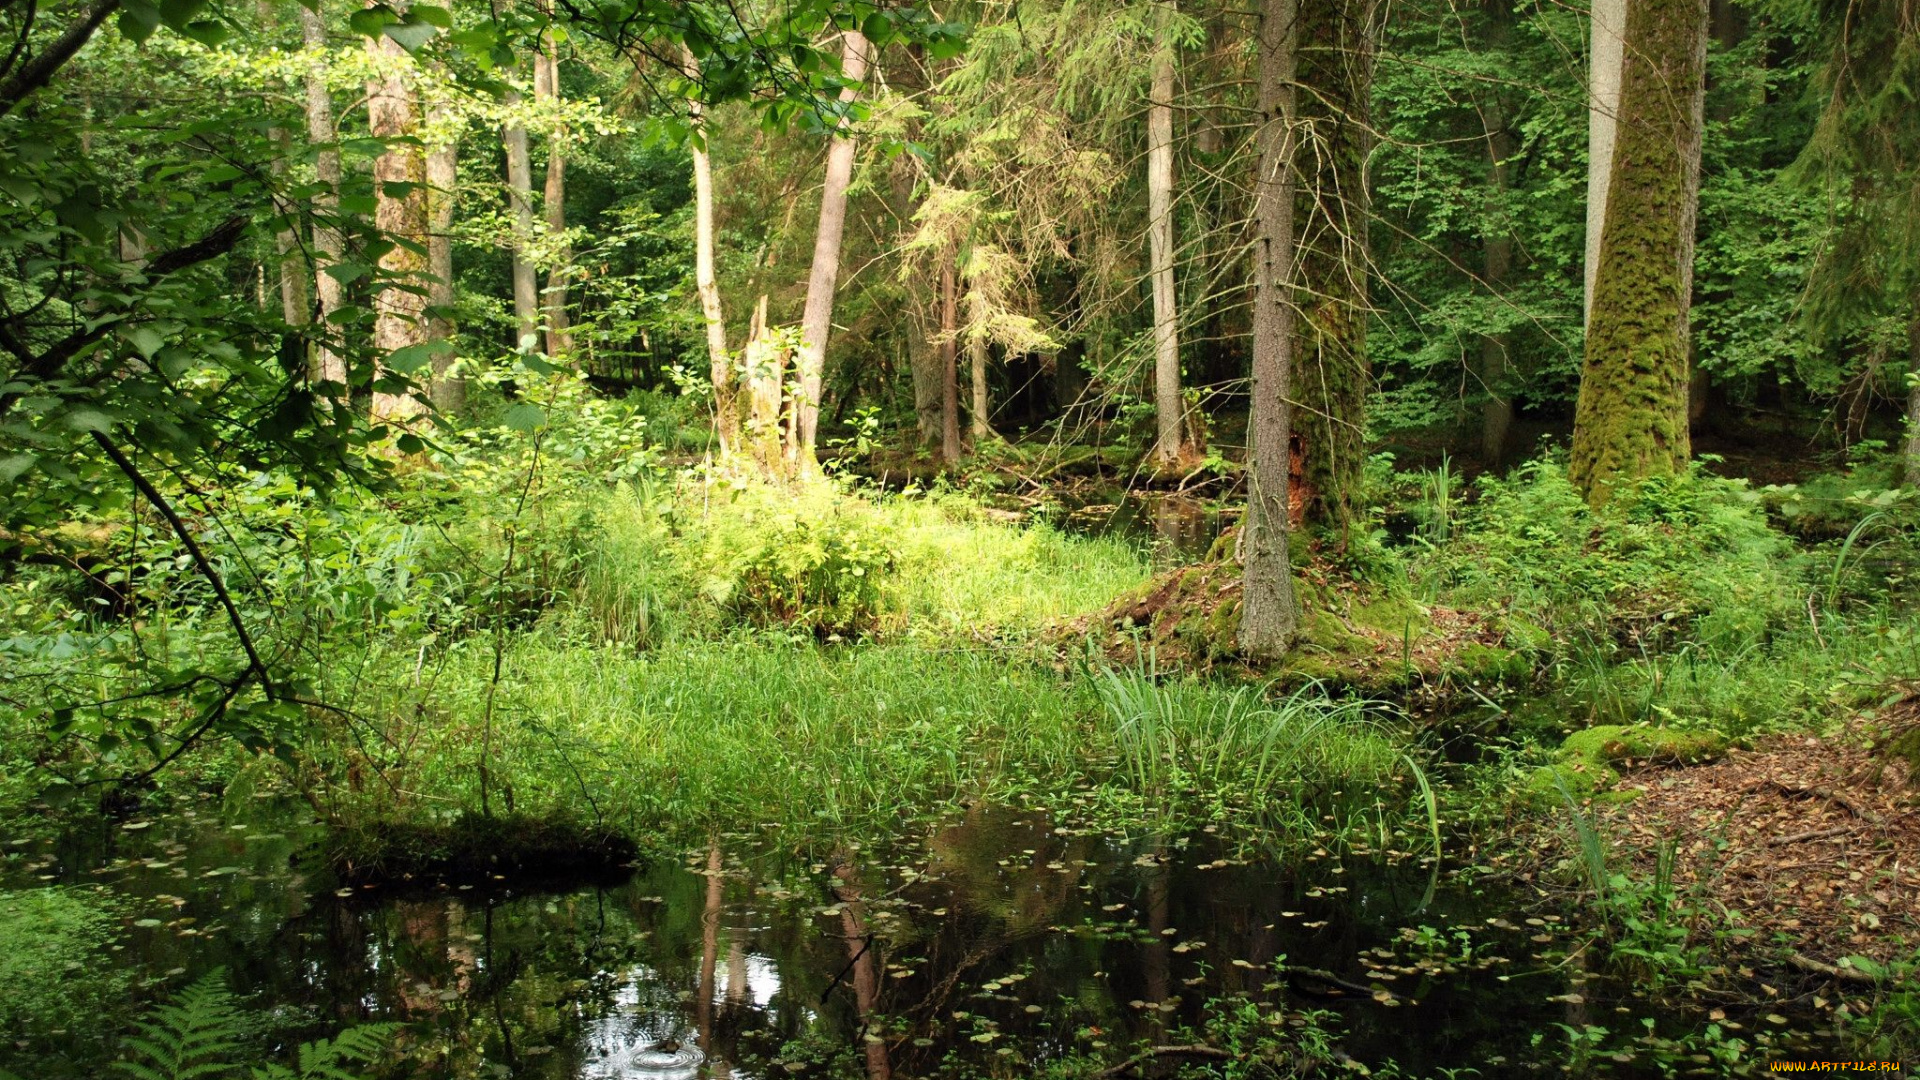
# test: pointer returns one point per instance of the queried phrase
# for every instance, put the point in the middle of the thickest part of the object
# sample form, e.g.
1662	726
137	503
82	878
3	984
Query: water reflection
999	941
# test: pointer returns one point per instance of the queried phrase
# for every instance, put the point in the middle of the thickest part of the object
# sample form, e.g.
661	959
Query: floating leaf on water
148	923
136	826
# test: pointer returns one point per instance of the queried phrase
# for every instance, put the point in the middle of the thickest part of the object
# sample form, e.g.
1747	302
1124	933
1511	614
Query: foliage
1689	554
54	965
201	1034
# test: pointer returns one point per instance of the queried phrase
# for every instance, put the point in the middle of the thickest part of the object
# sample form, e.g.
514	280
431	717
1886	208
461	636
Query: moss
1630	421
1585	761
1478	661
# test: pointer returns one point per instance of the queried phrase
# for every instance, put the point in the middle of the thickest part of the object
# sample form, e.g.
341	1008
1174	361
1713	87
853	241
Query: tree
1169	409
1335	56
817	321
726	414
546	90
1269	615
1631	417
327	369
400	212
449	391
526	286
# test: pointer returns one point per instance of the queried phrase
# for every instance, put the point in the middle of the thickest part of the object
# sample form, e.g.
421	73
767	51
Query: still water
994	945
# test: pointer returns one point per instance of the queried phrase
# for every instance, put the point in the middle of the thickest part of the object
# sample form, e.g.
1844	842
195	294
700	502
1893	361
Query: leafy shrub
1691	552
826	574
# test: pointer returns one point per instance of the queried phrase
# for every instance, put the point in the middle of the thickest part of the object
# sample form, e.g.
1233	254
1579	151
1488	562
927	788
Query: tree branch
38	71
199	557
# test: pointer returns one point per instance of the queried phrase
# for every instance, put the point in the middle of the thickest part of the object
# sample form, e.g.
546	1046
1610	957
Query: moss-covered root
1584	764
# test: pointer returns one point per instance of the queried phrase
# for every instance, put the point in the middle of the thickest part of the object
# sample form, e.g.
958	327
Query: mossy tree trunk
1631	418
1335	42
1269	615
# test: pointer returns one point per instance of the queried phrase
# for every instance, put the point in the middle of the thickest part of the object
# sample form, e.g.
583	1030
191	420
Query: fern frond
193	1038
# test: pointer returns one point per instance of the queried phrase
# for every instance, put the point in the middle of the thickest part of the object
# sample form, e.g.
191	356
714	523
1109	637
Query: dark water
1175	528
990	947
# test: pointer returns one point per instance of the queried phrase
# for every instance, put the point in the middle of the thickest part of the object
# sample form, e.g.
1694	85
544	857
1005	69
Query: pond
994	945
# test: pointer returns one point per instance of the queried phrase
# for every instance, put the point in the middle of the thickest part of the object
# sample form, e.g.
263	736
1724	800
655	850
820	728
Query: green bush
1689	554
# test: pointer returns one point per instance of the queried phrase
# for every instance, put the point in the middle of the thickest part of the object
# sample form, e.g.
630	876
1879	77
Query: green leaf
138	21
178	13
207	32
146	339
347	272
412	34
87	418
370	21
13	465
413	358
526	416
427	13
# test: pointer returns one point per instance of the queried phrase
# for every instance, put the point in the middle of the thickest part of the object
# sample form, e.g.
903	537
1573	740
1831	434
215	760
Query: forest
1075	539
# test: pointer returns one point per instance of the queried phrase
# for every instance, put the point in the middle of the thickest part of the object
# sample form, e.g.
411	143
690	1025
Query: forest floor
1806	847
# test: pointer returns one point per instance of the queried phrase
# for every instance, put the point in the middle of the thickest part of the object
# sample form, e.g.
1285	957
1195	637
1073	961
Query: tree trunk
726	410
1913	393
949	364
546	87
1269	617
1631	417
399	310
980	427
923	360
1605	54
526	289
817	320
327	369
449	391
1496	416
1334	50
1167	405
295	305
766	366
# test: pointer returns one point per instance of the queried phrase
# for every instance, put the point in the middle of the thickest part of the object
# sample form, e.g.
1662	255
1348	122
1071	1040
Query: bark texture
526	287
949	363
400	305
327	366
449	391
817	320
1269	615
546	87
1335	52
726	409
1605	55
1631	418
766	367
1167	406
978	414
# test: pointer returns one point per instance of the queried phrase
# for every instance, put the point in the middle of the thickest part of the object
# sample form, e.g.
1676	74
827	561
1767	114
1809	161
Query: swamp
1066	539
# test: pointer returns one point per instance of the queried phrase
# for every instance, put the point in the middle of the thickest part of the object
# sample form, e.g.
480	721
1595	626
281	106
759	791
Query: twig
1810	834
1833	797
1152	1052
1808	963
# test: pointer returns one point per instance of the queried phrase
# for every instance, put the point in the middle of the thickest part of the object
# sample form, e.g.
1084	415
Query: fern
198	1037
195	1037
325	1059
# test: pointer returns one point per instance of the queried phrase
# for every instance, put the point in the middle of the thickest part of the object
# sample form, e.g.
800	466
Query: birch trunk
327	369
295	305
1167	405
726	410
526	288
817	320
546	87
1606	54
1269	616
399	311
